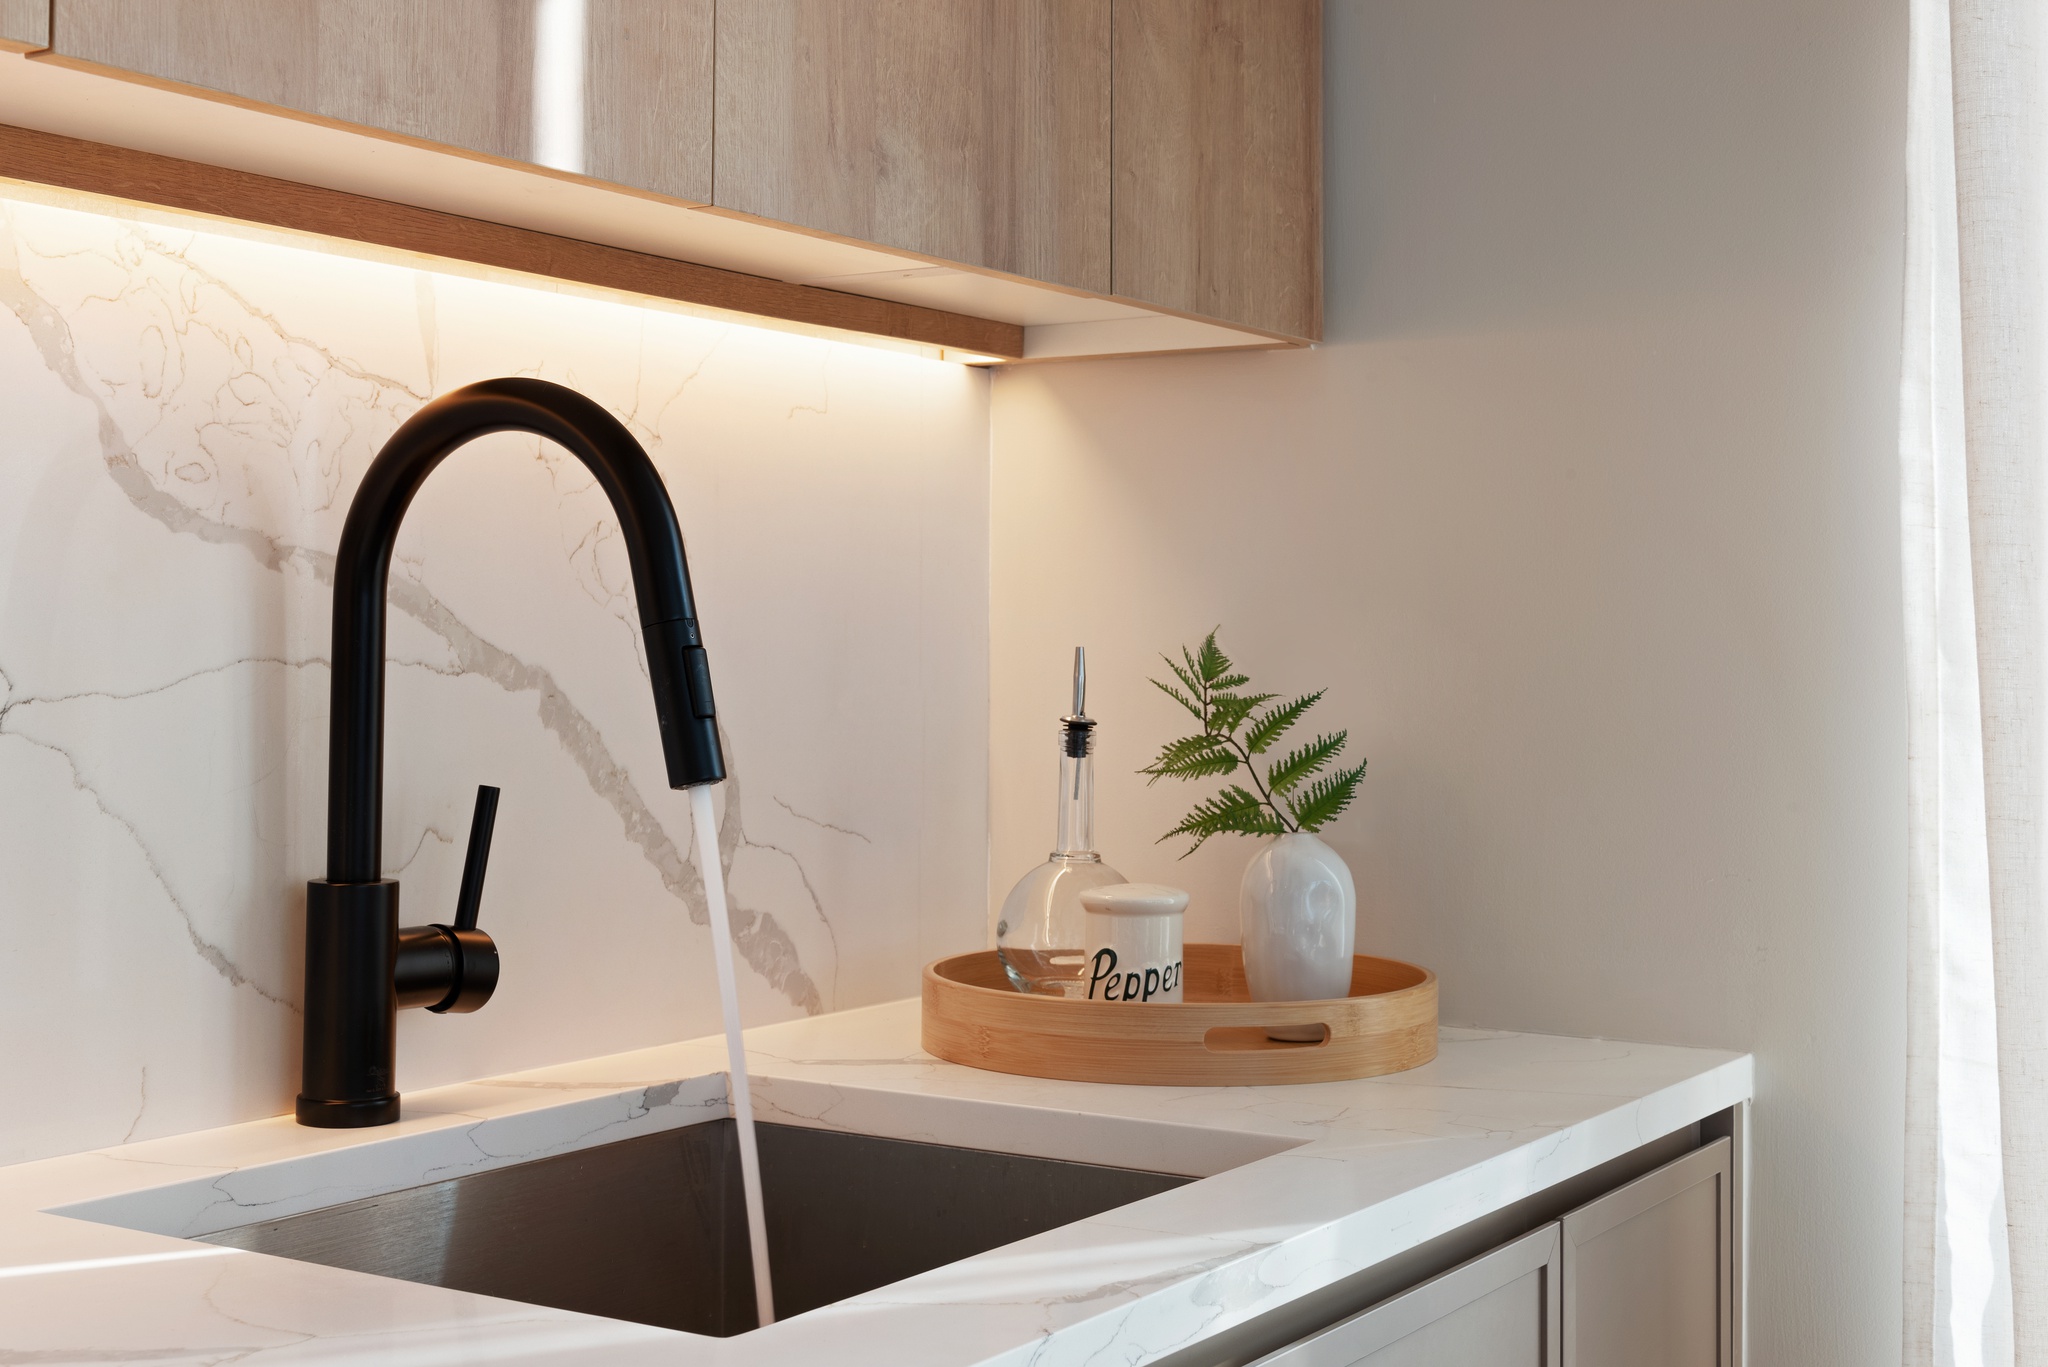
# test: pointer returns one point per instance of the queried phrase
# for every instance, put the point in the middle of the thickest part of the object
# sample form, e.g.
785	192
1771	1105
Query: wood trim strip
172	183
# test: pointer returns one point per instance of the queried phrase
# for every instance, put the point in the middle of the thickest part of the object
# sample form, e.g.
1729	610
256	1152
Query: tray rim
1427	984
1176	1043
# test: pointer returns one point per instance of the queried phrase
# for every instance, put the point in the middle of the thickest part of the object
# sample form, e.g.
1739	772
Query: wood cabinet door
1649	1271
1219	160
1499	1310
24	24
968	130
616	89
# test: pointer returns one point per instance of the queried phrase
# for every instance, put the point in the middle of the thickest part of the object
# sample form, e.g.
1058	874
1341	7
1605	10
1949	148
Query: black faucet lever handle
470	900
454	968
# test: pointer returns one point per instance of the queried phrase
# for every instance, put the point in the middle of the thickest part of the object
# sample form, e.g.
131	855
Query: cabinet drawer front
1499	1310
1647	1270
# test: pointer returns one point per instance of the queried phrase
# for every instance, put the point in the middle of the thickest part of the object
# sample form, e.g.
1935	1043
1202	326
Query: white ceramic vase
1298	909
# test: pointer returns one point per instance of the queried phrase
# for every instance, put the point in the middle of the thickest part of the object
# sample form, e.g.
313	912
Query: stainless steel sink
653	1229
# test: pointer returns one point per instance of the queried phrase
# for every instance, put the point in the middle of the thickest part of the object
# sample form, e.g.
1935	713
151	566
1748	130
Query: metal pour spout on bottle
1040	932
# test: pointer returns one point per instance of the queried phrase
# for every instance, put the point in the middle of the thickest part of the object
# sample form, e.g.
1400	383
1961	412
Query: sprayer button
697	674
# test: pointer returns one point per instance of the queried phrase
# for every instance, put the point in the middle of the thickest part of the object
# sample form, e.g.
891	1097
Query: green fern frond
1227	711
1290	769
1192	757
1225	811
1272	725
1189	677
1170	691
1208	684
1326	798
1232	811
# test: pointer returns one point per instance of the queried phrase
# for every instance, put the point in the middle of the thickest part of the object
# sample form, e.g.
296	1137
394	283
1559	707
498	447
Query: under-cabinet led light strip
82	201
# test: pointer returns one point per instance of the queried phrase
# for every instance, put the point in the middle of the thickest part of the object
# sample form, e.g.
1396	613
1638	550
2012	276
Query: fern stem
1265	794
1291	826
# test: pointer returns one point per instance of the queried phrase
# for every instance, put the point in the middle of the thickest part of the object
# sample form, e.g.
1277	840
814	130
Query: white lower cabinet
1500	1309
1649	1269
1642	1276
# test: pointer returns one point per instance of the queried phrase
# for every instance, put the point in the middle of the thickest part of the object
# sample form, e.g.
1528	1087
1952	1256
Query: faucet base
351	1025
347	1115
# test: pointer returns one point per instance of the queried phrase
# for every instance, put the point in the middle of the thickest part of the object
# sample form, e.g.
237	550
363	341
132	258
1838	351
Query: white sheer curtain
1974	460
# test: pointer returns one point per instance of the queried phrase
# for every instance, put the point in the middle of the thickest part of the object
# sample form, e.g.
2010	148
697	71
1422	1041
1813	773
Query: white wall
185	418
1586	515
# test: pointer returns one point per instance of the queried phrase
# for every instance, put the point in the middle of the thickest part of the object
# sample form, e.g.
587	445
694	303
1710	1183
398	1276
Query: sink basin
653	1229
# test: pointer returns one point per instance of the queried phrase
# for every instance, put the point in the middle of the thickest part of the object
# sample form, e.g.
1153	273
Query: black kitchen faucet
361	967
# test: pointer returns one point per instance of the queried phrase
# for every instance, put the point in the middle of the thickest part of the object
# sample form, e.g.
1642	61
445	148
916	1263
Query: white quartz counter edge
1307	1184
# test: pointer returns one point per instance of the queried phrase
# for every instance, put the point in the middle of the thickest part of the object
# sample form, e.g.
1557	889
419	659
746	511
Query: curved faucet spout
362	570
360	966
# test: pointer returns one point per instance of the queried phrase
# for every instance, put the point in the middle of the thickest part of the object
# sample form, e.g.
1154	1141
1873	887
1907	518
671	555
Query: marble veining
189	412
1303	1185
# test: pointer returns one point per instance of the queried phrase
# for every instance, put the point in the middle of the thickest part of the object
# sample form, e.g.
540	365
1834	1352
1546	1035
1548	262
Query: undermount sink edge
1308	1184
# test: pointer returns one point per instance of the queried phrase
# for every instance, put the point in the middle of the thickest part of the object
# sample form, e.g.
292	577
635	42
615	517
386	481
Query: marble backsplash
185	416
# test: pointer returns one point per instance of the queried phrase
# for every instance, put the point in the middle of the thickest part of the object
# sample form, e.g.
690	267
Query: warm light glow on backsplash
190	406
313	248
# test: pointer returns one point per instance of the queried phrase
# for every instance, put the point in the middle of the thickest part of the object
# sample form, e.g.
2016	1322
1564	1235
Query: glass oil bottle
1040	931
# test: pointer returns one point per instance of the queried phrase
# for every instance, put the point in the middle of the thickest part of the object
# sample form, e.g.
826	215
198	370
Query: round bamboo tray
1217	1036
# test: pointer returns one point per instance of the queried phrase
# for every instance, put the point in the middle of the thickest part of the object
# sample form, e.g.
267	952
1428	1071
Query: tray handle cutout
1243	1039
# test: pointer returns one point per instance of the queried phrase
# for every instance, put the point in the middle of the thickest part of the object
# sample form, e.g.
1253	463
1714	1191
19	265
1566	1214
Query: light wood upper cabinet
1137	176
1219	159
458	72
24	24
975	131
649	83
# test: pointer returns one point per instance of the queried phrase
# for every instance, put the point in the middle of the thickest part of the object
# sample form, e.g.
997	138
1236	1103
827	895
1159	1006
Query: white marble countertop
1306	1184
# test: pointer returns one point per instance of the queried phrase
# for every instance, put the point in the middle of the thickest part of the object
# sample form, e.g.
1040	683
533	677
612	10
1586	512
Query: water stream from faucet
709	865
